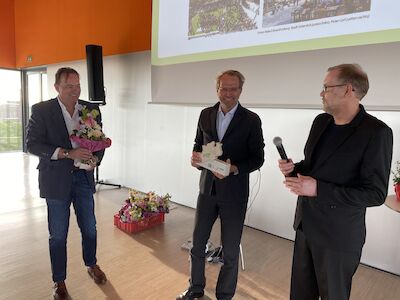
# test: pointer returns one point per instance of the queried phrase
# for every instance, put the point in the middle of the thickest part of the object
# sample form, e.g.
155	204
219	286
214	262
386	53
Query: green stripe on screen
376	37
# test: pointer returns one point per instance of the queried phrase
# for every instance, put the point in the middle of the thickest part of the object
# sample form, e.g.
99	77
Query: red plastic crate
141	225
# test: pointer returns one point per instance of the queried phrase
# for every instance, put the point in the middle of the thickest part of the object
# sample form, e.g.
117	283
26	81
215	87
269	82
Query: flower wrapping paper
91	145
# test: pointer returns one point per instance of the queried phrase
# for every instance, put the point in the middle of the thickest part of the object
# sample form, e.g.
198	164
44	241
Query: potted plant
396	180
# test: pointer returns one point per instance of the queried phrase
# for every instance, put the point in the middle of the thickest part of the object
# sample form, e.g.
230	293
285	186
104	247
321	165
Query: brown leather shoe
97	274
60	291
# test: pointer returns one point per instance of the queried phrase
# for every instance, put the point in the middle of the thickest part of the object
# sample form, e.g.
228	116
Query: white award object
209	159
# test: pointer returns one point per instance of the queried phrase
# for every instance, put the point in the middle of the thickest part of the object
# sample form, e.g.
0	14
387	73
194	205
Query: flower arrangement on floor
396	180
141	206
396	174
89	135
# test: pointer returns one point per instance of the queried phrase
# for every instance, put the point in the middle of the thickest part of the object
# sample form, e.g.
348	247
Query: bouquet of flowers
396	174
89	135
396	180
141	205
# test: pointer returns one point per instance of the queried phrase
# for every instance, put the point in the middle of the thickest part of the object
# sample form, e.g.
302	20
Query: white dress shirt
70	122
223	120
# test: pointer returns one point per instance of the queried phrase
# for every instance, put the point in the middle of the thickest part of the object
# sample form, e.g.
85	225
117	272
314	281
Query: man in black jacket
345	170
239	131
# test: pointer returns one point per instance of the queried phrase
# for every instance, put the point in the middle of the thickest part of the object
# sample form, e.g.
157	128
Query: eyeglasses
325	87
226	90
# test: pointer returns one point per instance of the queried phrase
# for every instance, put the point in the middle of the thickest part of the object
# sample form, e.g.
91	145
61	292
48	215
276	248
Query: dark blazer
352	176
243	144
45	133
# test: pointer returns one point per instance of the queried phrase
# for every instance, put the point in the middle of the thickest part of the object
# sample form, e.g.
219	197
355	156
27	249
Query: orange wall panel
52	31
7	34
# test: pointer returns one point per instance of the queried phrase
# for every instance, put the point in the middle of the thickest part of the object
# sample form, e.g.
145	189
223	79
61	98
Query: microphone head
277	141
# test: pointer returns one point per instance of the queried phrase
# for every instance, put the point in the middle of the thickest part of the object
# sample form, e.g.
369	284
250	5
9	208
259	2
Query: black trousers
320	272
232	214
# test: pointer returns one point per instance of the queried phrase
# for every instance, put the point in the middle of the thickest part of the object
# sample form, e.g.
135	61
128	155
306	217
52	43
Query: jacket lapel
325	156
316	135
235	121
59	121
213	120
346	135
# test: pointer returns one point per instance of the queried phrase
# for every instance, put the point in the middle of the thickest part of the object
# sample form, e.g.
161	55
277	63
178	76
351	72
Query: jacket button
333	206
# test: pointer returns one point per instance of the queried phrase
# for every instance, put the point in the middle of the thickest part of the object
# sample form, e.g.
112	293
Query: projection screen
278	44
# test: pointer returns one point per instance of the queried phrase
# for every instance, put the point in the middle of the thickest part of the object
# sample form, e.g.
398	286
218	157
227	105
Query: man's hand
302	185
195	159
91	168
80	153
286	166
233	169
92	162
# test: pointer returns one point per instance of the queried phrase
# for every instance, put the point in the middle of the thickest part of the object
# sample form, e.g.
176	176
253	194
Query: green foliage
86	113
218	17
10	135
396	174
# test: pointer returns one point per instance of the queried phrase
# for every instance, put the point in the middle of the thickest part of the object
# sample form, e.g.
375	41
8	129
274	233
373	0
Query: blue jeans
58	212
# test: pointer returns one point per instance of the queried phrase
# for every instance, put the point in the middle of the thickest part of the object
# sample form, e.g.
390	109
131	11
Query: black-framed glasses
325	87
230	90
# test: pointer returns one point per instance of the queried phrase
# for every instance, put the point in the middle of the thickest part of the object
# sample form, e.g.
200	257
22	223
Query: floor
146	265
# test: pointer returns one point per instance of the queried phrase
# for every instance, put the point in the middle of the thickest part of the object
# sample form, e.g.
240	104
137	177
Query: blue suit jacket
45	133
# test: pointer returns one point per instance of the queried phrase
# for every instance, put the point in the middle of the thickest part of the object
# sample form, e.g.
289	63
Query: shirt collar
77	105
231	112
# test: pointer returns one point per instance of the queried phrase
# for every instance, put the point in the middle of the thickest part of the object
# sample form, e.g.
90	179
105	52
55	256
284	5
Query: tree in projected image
208	17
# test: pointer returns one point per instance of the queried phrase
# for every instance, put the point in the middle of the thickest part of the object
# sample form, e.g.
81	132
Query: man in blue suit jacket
60	182
345	170
239	131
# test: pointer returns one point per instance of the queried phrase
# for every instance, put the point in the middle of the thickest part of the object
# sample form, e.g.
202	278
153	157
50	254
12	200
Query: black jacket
242	143
352	176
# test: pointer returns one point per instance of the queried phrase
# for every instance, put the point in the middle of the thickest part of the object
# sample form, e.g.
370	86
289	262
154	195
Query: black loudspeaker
94	62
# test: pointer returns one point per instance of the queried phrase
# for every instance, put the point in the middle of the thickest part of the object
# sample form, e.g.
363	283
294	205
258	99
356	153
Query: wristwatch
65	153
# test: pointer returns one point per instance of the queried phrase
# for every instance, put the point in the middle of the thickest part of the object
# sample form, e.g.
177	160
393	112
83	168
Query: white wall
152	146
280	76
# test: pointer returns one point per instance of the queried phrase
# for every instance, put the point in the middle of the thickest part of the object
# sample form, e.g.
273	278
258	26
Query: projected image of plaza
209	17
280	12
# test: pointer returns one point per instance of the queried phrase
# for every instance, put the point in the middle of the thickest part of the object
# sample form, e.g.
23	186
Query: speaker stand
97	181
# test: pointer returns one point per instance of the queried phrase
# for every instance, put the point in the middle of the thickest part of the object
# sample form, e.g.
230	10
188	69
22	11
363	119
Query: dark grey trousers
320	272
232	213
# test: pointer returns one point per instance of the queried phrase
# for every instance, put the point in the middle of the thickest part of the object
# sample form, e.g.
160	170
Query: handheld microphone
278	143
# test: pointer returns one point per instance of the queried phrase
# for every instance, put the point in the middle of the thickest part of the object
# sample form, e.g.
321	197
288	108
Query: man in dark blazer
239	131
345	170
60	182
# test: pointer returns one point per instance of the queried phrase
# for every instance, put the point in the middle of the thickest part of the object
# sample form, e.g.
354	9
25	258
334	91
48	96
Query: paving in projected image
280	12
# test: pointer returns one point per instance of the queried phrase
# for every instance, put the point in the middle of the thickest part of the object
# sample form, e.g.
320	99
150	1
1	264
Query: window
10	111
